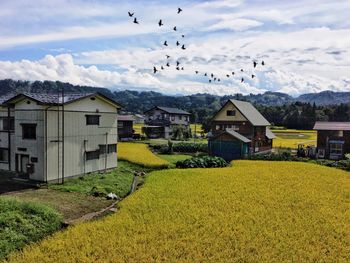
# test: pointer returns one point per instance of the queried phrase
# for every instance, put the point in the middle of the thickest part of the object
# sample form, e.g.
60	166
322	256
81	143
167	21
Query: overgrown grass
174	158
140	154
118	181
22	223
254	211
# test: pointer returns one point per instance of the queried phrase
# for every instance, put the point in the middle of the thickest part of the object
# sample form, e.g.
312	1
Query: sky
305	44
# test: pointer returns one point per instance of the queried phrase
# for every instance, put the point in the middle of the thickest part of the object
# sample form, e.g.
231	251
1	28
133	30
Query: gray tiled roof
174	110
6	97
237	135
251	113
270	134
332	126
125	118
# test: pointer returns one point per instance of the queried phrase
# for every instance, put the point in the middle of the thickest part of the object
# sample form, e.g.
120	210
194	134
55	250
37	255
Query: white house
48	138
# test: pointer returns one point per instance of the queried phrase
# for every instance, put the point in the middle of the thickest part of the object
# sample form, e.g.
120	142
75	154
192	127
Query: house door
21	163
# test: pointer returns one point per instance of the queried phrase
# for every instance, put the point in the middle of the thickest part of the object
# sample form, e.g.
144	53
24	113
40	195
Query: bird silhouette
167	56
183	35
263	63
154	70
182	68
183	47
177	68
205	74
130	14
175	28
253	76
135	21
214	79
242	80
210	81
177	63
196	71
218	80
177	43
160	23
179	10
233	73
165	43
212	75
242	70
167	64
227	75
162	68
255	64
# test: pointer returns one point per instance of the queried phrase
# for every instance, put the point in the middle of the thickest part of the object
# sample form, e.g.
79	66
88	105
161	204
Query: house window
8	124
4	155
231	113
173	118
92	119
112	148
120	124
29	131
336	149
93	155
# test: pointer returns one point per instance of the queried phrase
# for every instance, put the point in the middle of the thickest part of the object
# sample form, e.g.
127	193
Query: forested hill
278	108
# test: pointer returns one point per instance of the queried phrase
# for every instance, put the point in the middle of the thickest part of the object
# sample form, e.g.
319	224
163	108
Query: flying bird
162	68
214	79
183	47
177	63
182	68
242	70
175	28
135	21
130	14
165	43
218	80
183	35
233	73
154	70
177	68
255	64
196	71
177	43
179	10
210	81
160	23
205	74
212	75
253	76
167	64
167	56
242	80
228	75
263	63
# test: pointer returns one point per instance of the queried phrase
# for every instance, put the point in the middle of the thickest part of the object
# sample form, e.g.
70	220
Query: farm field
254	211
139	153
291	138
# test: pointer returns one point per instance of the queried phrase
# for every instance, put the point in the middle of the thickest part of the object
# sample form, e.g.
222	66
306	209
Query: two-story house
50	137
237	130
160	121
333	139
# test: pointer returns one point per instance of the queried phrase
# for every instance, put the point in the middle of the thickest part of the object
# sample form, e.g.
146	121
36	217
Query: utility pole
62	134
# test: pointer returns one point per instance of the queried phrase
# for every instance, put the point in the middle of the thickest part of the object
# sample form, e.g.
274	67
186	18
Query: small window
231	113
120	124
29	131
102	148
34	159
4	155
173	118
93	155
92	119
336	148
112	148
8	124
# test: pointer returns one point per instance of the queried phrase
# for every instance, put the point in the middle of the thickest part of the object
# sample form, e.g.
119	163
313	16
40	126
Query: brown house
125	127
237	130
333	139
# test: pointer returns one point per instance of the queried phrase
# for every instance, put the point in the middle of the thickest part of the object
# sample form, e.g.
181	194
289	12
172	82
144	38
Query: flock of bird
211	76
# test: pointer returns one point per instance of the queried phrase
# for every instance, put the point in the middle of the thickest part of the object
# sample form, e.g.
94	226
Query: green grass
22	223
118	181
254	211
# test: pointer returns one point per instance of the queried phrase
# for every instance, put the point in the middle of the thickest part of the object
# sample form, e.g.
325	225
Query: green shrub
190	147
202	162
22	223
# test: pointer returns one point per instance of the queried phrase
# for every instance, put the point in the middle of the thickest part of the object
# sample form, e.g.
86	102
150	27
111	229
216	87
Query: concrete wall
4	139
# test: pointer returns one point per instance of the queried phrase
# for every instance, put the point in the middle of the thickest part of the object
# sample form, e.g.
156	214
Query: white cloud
240	24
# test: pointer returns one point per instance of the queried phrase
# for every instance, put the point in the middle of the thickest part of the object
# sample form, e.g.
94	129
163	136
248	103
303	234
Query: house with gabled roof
160	121
237	130
50	137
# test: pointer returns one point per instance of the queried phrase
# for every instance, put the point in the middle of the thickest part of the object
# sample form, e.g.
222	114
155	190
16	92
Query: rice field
291	138
140	154
254	211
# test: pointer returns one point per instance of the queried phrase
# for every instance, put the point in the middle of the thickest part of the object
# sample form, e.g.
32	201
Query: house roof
54	99
332	126
126	118
6	97
235	135
171	110
251	113
270	134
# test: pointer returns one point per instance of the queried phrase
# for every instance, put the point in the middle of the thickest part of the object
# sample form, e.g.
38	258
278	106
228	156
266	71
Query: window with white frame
336	149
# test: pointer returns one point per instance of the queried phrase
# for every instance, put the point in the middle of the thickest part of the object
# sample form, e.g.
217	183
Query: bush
190	147
22	223
202	162
280	156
